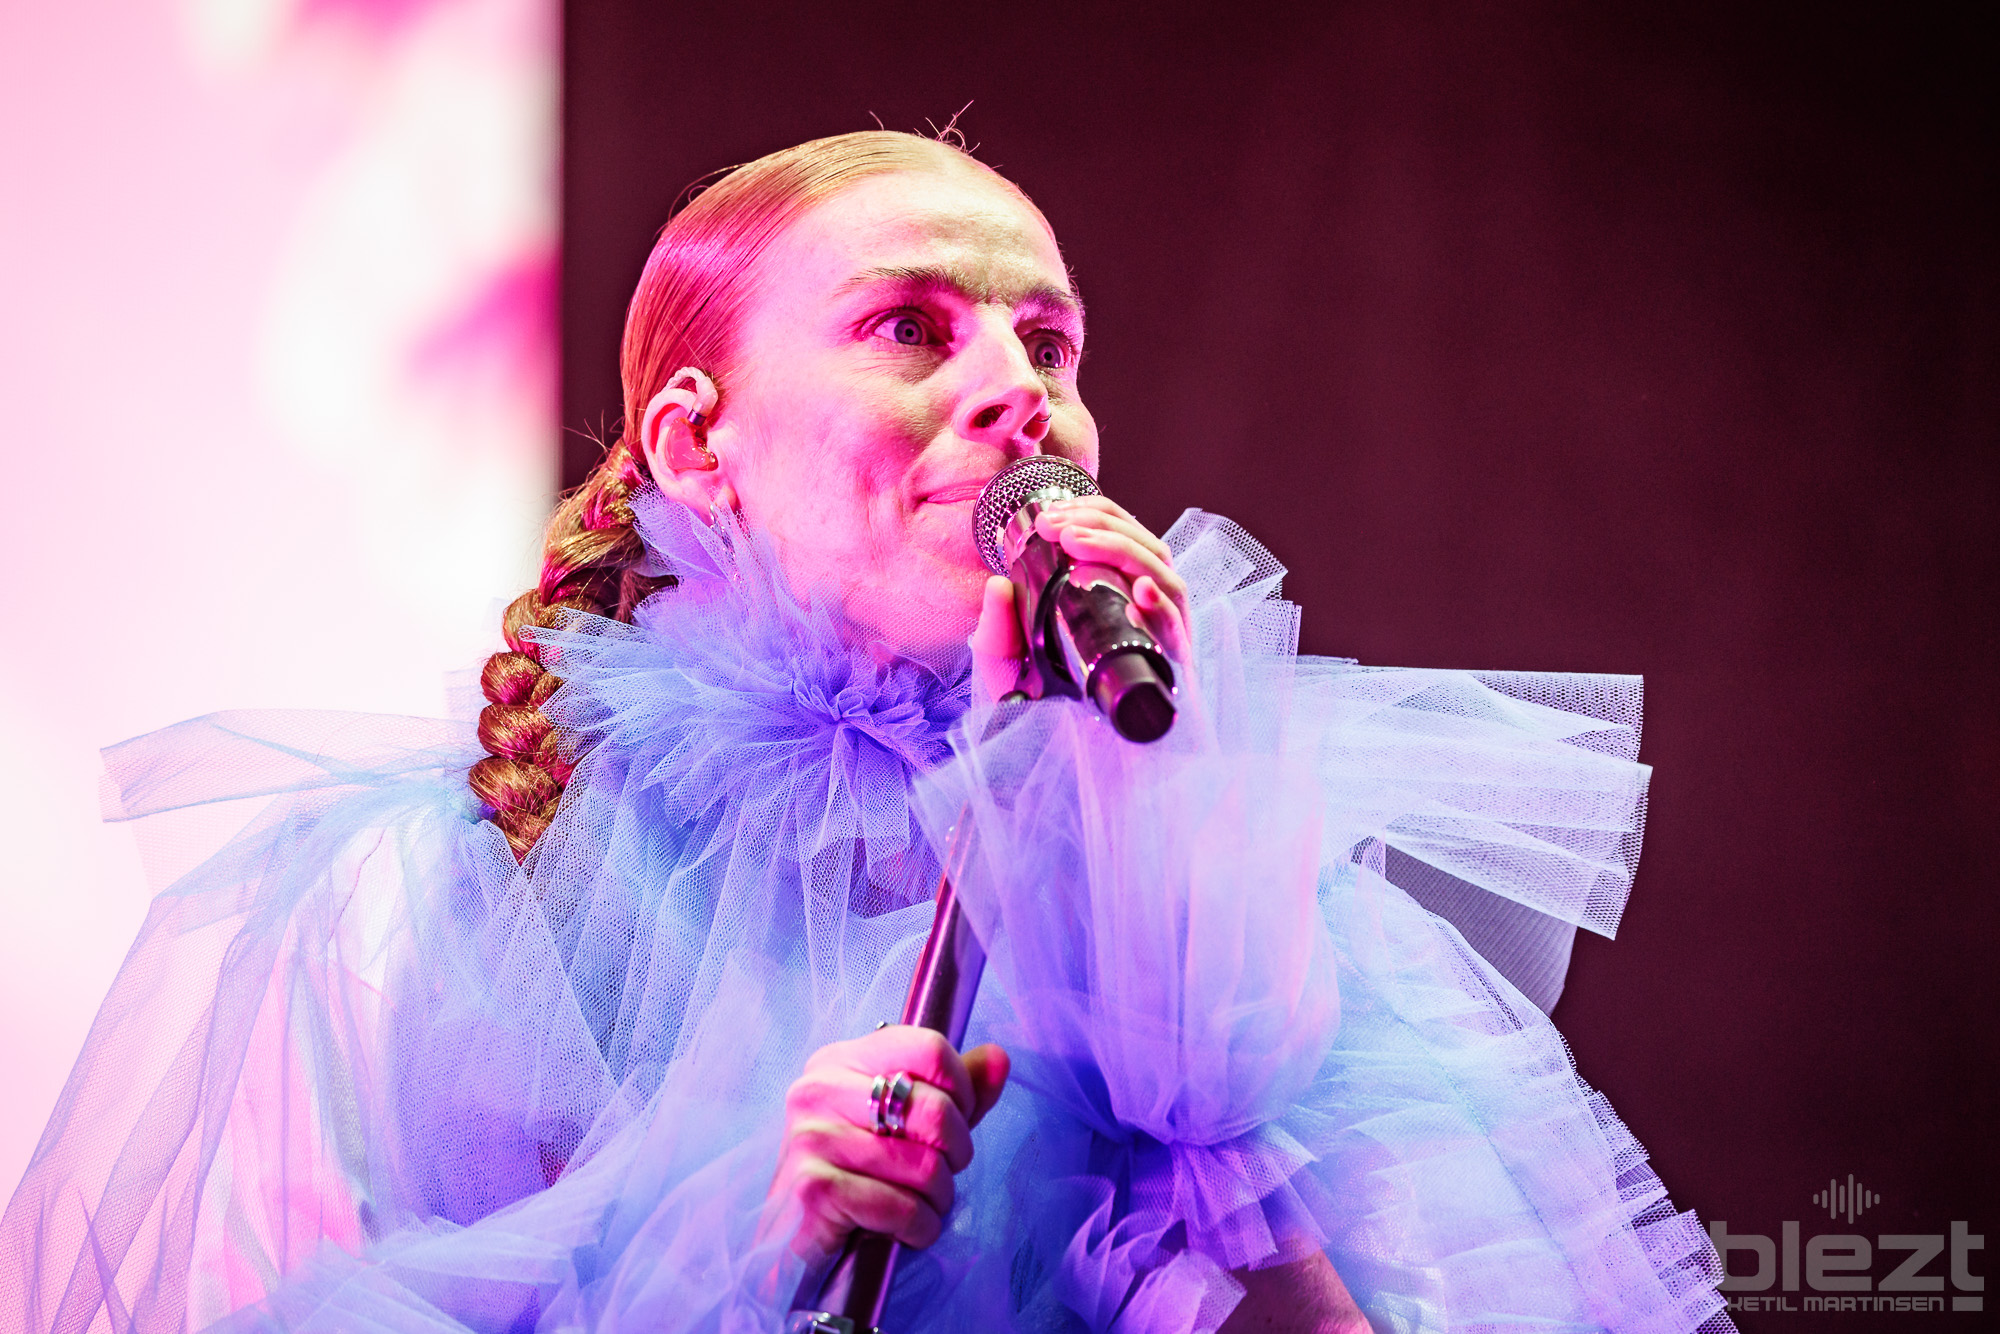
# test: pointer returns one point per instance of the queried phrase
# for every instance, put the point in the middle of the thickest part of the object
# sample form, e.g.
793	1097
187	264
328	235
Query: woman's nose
1004	402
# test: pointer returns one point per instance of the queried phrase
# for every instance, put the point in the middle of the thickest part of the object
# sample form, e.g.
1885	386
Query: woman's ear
673	437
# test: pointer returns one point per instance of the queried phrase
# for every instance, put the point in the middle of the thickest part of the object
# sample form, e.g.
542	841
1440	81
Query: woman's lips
956	494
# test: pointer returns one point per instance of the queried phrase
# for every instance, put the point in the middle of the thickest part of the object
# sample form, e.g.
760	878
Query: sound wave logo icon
1851	1199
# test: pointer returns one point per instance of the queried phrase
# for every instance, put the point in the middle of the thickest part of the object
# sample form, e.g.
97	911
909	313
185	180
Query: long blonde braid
588	565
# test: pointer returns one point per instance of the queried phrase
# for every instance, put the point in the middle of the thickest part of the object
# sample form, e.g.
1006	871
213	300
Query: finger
931	1119
919	1052
1057	522
900	1162
988	1065
1097	512
1106	546
1115	519
1168	620
1098	504
998	633
996	643
1076	531
850	1200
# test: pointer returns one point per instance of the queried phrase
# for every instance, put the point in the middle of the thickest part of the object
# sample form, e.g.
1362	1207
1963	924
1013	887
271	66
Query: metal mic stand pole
850	1297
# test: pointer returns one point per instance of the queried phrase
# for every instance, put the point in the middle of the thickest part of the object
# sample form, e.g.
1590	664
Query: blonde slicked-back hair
686	312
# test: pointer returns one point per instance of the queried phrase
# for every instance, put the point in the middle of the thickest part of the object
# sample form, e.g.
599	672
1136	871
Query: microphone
1084	640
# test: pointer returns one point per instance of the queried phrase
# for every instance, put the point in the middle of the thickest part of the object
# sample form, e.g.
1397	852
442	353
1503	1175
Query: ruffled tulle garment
362	1072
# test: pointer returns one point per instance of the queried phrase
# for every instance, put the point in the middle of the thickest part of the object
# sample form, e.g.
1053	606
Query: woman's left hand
837	1172
1093	530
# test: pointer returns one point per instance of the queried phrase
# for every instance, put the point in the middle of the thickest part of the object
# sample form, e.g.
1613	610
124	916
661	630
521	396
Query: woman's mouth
958	493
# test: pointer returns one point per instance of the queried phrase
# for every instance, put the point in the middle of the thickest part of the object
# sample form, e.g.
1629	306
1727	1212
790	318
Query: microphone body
1085	639
847	1296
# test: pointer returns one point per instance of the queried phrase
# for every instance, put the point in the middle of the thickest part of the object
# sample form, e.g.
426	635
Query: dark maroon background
1592	337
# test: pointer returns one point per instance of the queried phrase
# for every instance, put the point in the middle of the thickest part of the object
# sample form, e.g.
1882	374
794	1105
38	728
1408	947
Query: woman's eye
1050	354
905	329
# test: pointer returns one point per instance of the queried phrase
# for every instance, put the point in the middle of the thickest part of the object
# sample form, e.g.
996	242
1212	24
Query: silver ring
889	1102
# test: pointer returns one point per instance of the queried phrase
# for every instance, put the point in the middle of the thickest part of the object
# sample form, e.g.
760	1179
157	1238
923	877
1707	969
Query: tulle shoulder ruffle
731	693
363	1070
241	754
1258	1039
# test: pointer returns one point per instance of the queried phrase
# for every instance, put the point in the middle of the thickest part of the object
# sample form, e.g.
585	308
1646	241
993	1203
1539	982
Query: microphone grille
1011	488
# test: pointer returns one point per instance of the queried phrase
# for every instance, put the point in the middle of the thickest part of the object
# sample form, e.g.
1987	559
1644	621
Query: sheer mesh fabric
1253	1042
362	1071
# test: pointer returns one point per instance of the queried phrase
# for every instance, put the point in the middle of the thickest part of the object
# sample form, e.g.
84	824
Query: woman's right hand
842	1175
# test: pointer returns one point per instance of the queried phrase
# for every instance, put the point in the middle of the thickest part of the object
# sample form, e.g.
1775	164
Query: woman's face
903	342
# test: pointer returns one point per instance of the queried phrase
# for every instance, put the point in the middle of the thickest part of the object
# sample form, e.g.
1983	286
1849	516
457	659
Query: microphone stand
848	1298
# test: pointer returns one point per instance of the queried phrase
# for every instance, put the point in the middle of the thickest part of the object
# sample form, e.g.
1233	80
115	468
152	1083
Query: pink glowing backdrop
276	360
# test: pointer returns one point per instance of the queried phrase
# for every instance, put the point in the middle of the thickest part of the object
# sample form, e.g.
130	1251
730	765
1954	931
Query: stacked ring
889	1101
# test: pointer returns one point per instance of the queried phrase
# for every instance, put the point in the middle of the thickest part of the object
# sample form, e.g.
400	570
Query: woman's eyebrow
1040	298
